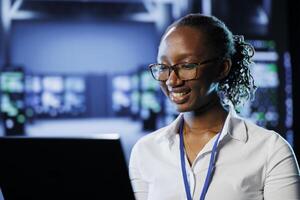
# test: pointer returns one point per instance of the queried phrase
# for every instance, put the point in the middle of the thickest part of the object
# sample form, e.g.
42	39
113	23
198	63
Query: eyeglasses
184	71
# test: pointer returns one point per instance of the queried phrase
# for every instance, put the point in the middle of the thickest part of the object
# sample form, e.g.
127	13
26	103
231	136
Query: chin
183	108
191	106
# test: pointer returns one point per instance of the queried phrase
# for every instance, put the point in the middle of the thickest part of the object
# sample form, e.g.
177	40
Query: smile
179	94
179	97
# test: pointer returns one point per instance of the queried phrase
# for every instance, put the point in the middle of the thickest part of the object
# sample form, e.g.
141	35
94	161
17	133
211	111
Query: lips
179	97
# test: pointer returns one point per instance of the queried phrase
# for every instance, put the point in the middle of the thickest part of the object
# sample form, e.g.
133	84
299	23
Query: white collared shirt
252	164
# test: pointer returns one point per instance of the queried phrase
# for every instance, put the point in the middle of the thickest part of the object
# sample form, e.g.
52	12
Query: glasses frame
175	68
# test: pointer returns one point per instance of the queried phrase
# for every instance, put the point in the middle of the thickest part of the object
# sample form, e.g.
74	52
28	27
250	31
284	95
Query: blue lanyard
209	171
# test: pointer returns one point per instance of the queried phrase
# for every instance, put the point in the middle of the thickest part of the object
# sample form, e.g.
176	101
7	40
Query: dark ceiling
91	8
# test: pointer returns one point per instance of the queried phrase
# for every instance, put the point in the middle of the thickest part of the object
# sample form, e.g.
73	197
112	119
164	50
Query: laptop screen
63	168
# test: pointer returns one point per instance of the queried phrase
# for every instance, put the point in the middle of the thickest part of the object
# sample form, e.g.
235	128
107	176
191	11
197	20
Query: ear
224	69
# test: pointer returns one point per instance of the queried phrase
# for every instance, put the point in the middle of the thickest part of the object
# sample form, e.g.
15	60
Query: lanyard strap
209	171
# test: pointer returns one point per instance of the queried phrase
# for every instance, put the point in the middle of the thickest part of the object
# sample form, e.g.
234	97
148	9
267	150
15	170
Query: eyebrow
180	57
161	58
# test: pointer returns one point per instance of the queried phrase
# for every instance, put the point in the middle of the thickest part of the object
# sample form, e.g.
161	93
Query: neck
209	118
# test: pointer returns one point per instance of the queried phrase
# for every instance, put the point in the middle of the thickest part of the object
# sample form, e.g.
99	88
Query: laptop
44	168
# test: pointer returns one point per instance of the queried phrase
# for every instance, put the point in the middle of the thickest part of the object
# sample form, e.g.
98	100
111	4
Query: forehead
183	41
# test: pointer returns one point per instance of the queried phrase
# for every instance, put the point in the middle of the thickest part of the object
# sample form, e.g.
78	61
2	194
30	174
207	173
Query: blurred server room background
79	67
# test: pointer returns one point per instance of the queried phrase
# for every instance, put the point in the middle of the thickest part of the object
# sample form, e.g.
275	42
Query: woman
208	152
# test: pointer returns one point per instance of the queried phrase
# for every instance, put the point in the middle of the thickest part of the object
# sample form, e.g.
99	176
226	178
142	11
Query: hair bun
245	48
238	39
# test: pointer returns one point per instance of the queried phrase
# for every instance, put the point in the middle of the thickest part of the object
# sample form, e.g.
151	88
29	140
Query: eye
188	66
161	67
158	68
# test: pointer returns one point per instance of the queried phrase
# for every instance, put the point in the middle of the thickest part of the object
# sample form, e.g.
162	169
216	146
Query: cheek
208	74
206	80
202	87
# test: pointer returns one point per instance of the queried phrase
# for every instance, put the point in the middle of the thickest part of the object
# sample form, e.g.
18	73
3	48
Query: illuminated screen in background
272	106
137	95
149	101
12	101
264	109
264	23
74	96
12	82
12	89
52	95
121	95
55	96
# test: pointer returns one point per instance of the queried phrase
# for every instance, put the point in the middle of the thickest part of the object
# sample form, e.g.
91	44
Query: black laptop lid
63	168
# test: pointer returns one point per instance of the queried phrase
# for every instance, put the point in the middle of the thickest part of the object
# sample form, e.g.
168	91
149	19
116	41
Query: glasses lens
160	72
187	71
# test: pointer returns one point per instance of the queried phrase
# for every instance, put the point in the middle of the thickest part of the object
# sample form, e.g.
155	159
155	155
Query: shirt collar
234	127
169	132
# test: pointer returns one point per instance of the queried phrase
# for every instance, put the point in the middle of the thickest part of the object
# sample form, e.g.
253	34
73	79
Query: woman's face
188	44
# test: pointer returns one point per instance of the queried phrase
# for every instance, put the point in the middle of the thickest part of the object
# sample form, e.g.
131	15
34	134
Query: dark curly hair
238	86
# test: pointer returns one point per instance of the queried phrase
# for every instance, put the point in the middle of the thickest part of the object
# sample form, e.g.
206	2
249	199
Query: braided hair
238	86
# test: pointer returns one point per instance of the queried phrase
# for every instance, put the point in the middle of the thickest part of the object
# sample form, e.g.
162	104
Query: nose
173	80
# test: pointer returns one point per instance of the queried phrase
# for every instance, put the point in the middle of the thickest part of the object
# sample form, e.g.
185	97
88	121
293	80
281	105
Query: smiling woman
186	44
209	152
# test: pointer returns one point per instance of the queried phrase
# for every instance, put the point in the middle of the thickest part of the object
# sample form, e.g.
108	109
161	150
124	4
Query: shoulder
257	132
147	148
256	138
153	140
264	147
270	140
150	140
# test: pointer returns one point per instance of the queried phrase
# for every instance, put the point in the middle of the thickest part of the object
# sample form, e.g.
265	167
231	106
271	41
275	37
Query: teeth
179	94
